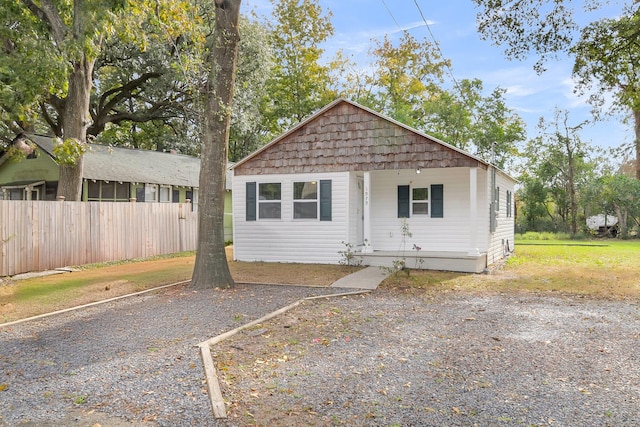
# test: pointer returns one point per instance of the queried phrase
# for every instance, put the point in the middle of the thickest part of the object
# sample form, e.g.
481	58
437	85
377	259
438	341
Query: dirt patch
97	283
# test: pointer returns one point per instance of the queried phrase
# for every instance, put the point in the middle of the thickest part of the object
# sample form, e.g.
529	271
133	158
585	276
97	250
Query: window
305	200
93	190
420	201
122	191
269	197
107	191
165	194
509	203
150	193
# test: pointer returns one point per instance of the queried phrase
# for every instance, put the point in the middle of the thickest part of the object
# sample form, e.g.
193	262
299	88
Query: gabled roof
345	136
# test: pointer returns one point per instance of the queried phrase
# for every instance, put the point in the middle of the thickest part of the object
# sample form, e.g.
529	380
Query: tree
255	62
406	84
482	125
69	39
608	59
211	268
74	30
404	77
525	27
615	193
606	51
557	159
299	84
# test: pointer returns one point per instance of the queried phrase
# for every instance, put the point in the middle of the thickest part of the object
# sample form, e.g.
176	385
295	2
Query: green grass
601	268
38	291
30	297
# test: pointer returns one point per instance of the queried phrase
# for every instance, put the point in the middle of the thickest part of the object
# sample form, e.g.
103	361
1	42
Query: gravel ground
394	357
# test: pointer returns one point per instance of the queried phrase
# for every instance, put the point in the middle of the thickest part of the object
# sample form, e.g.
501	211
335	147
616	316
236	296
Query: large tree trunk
211	268
75	121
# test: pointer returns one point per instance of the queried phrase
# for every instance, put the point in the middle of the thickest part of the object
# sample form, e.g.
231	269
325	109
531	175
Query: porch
427	260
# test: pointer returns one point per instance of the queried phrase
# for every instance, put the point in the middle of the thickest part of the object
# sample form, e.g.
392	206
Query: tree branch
49	15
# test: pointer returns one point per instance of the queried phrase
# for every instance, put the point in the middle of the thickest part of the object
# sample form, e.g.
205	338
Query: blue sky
453	25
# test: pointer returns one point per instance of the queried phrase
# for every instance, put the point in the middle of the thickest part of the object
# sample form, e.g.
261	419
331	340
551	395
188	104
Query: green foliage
406	84
534	235
606	51
607	61
525	27
555	171
69	151
348	255
298	84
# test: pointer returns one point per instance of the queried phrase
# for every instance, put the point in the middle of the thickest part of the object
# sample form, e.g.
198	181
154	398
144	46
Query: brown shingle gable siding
348	138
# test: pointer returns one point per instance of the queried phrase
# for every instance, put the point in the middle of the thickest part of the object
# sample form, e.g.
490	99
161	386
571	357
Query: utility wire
391	14
435	42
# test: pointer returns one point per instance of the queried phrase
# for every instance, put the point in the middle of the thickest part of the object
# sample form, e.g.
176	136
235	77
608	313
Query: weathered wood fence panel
42	235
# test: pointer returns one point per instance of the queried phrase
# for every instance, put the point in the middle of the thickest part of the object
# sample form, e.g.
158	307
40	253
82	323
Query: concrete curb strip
91	304
211	375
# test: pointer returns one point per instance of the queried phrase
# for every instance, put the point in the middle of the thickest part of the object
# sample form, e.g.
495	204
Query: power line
391	14
435	42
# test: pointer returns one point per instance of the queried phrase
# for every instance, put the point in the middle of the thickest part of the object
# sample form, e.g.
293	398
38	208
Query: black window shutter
325	200
403	201
251	201
437	201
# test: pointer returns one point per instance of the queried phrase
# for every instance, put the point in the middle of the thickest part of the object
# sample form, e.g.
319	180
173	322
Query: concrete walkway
367	278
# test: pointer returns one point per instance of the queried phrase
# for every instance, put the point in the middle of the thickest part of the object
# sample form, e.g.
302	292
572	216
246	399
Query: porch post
366	222
473	212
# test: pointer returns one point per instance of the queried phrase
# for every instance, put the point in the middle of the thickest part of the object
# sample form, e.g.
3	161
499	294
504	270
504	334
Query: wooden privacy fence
42	235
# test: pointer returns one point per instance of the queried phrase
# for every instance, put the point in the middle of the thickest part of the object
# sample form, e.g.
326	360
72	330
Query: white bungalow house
349	175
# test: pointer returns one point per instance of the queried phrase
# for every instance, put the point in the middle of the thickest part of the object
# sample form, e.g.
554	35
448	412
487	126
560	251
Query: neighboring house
350	176
110	174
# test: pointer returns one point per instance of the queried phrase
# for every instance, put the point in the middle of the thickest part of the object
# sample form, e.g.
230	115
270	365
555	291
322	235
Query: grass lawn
603	268
30	297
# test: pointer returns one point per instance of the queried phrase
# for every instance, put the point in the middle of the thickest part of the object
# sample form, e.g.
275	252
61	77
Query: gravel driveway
387	358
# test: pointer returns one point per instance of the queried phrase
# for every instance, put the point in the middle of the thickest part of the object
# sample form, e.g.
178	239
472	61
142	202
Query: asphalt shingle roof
108	163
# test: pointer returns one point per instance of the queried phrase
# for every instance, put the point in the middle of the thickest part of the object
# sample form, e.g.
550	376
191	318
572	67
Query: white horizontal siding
450	233
286	239
503	237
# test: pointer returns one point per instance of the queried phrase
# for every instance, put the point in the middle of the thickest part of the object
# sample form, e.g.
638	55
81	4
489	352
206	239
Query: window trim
169	193
147	199
268	201
315	201
436	201
419	201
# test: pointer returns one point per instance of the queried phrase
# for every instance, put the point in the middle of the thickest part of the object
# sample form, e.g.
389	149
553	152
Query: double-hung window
305	200
269	200
420	201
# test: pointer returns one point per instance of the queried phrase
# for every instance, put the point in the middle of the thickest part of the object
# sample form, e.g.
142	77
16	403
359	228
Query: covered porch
441	232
